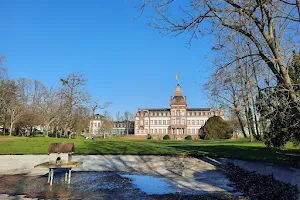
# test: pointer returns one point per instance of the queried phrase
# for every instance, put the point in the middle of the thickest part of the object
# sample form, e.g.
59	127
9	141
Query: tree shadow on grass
281	157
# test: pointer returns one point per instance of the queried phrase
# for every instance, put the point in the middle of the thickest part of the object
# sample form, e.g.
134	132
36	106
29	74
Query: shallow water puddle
150	184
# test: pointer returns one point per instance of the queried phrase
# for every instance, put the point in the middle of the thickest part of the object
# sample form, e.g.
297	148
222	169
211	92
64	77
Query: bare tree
128	117
24	106
96	106
7	95
107	124
272	27
225	90
50	108
74	96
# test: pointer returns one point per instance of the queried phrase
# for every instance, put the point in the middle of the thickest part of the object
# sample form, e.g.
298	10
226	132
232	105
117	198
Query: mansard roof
155	109
198	109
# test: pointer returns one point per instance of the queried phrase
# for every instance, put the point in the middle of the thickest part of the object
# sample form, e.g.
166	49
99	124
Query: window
155	122
177	112
146	122
137	130
188	122
173	121
159	114
164	122
173	113
168	122
137	122
193	131
188	113
164	114
159	122
151	114
189	131
155	130
182	113
193	122
202	122
197	122
164	130
146	114
146	131
160	131
151	130
98	124
183	121
151	122
178	121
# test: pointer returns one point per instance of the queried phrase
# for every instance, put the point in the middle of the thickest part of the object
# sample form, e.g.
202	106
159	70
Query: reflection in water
150	184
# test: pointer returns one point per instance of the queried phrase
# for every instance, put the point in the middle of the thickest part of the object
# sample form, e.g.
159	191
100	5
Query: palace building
178	119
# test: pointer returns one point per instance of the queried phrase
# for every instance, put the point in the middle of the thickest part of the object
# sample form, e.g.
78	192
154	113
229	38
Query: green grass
241	148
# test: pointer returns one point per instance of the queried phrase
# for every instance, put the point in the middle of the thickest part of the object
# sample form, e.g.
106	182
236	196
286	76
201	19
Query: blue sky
125	60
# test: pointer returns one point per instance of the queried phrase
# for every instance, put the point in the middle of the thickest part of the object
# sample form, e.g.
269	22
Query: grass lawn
241	148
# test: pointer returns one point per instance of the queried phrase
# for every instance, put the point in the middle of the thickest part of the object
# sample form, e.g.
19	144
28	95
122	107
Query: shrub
188	137
166	137
149	137
216	128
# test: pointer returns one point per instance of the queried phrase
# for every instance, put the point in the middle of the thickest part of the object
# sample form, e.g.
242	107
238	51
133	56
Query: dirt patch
10	138
258	186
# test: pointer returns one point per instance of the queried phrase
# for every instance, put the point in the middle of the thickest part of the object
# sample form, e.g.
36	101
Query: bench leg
49	175
52	175
66	175
69	181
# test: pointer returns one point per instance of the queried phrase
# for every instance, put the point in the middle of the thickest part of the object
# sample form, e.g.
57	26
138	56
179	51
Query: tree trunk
47	130
238	114
287	84
127	128
248	123
11	128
